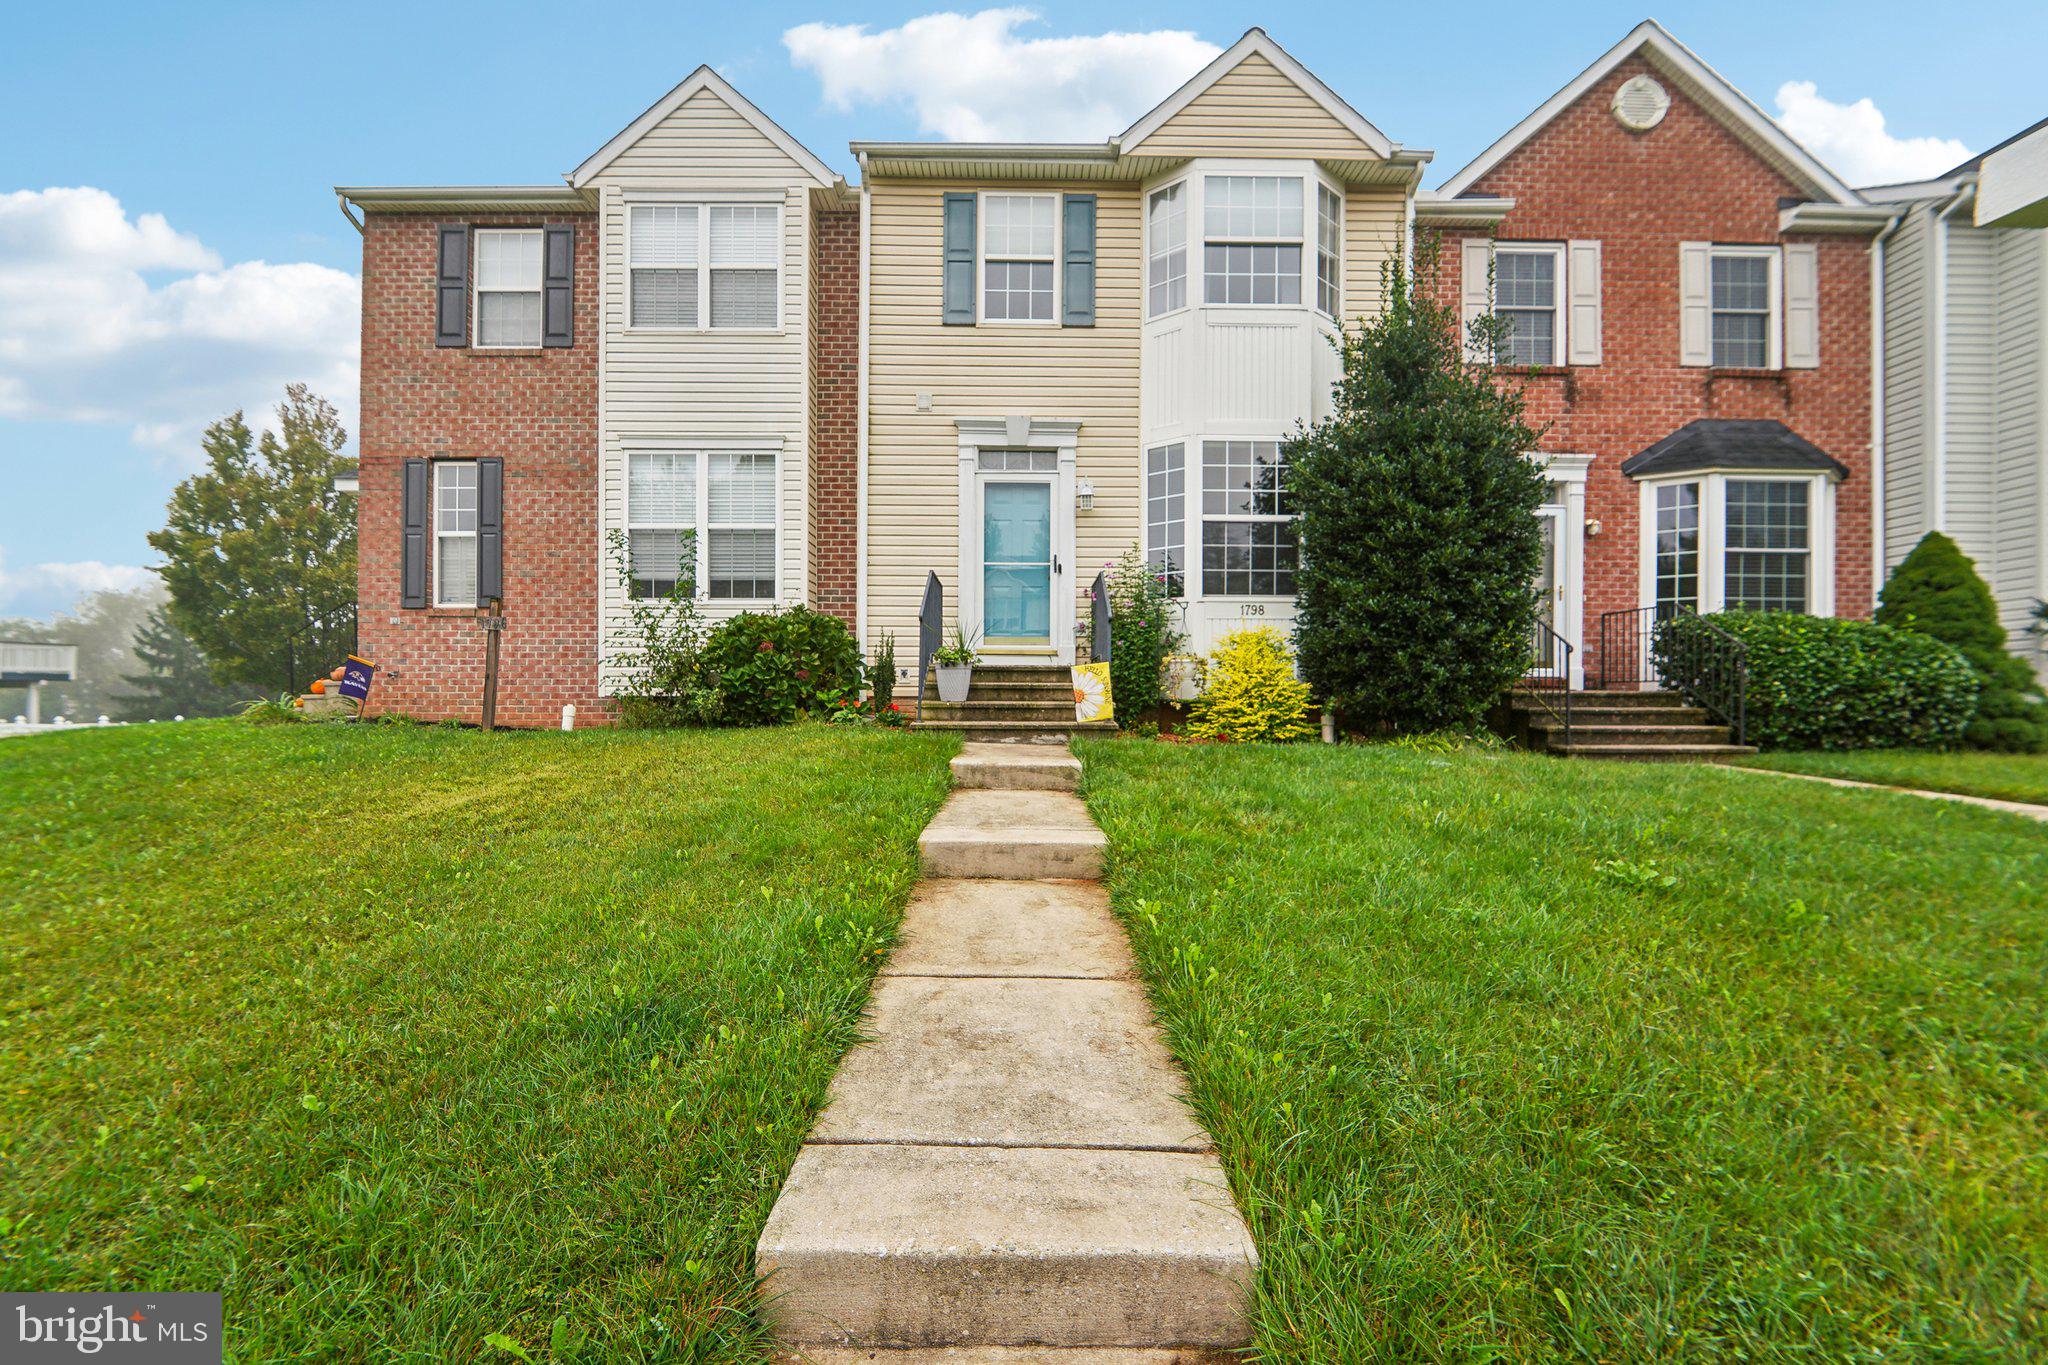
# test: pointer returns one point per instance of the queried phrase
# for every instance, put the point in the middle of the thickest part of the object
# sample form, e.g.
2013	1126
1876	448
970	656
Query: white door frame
1568	472
1062	436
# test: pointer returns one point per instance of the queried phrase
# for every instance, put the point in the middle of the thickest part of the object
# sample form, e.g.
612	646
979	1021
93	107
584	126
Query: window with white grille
1252	239
661	521
1166	226
1019	242
1329	250
455	533
1742	285
1248	546
1166	516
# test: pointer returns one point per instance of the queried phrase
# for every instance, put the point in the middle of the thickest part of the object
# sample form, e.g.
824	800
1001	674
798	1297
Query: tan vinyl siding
1254	110
711	386
1375	219
1089	374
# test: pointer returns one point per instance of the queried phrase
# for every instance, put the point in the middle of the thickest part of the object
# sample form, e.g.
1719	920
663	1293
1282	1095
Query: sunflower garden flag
1091	692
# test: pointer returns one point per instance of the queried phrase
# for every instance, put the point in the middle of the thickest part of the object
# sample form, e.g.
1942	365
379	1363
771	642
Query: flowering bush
1252	692
1141	635
771	666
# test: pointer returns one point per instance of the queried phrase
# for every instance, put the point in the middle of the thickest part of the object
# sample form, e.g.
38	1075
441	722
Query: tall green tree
175	679
1415	505
1936	590
260	551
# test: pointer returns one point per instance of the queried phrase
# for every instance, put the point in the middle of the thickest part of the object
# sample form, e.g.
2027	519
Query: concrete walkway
2027	809
1006	1170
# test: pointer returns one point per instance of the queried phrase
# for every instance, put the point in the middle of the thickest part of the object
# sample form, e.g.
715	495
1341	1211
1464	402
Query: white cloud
91	329
972	77
1851	139
43	588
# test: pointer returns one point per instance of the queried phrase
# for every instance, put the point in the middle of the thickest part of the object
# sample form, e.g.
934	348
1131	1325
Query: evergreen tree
1937	591
1415	506
175	679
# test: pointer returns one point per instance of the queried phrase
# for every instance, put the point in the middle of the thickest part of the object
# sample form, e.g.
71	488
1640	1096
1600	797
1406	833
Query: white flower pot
954	680
1183	677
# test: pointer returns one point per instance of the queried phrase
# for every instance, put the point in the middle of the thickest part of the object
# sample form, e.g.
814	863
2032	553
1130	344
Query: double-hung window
1677	555
694	266
1019	245
1248	547
1329	253
455	533
705	517
1743	290
1252	238
508	287
1526	283
1767	545
1166	228
1166	516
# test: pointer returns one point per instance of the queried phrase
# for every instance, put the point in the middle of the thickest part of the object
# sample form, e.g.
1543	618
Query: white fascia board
703	78
1862	219
1650	36
985	151
1914	190
1432	209
1255	40
479	196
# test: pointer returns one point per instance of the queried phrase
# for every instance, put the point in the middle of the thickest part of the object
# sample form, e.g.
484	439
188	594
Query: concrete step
1007	1355
1600	713
985	927
1058	710
1547	730
1023	835
981	1063
1528	697
1001	688
1012	731
892	1245
1016	767
1657	753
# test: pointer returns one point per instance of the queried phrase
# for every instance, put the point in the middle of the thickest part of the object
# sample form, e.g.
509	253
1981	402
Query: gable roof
703	78
1704	84
1732	443
1256	41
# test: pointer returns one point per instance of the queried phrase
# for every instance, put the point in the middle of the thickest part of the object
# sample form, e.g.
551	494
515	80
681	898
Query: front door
1549	595
1018	564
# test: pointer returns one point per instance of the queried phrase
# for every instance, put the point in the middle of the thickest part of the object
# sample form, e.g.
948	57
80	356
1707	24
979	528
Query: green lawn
1512	1058
2007	777
407	1037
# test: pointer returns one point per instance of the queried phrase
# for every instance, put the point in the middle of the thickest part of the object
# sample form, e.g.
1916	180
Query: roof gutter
342	201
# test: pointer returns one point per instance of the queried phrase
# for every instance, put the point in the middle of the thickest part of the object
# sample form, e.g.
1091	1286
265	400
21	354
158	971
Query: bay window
706	517
1677	556
455	533
1166	273
508	287
693	266
1767	546
1329	251
1739	541
1252	239
1248	546
1019	247
1166	516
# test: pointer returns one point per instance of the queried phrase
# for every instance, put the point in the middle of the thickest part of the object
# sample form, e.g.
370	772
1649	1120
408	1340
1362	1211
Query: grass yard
1512	1058
407	1038
2005	777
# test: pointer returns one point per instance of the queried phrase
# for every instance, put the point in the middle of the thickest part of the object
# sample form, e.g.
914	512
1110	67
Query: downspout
1877	386
1938	351
353	221
860	421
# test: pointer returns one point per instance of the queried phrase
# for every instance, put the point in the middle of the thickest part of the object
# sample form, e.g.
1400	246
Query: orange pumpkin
319	686
337	675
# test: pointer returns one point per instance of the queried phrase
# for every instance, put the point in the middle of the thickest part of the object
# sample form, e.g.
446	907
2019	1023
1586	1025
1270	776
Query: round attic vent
1640	104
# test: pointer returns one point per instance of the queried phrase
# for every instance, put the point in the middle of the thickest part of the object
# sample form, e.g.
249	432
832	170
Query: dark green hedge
1816	682
771	666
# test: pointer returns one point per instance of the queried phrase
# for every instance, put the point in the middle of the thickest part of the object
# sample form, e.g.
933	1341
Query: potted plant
954	665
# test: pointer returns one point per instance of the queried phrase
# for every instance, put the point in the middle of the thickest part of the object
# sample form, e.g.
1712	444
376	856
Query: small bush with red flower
772	666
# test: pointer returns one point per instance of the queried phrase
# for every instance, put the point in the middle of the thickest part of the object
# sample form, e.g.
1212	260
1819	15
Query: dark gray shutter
412	560
558	286
490	531
1078	230
451	286
960	260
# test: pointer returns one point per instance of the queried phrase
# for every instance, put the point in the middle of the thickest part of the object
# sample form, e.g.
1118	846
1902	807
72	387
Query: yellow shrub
1252	692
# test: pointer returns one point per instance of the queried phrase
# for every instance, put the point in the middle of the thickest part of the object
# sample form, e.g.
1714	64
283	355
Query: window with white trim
1248	545
1019	247
1329	250
702	516
1677	562
1766	560
1166	516
1527	282
1719	541
1166	229
698	266
455	533
1252	239
508	287
1742	286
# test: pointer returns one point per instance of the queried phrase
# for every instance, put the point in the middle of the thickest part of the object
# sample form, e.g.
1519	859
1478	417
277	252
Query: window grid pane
664	234
742	489
1678	547
1250	273
1244	478
455	493
746	235
1329	219
1019	461
1740	298
1018	225
1251	206
742	564
1018	291
1248	558
1766	559
1166	515
1167	270
508	260
1525	296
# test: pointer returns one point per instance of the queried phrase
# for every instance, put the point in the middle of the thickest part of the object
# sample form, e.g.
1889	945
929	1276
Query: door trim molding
1569	472
1024	432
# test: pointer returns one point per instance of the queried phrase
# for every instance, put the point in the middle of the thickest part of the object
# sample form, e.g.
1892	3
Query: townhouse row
1005	364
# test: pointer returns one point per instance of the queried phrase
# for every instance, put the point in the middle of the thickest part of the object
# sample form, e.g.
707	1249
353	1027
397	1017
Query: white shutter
1802	306
1582	327
1695	315
1475	288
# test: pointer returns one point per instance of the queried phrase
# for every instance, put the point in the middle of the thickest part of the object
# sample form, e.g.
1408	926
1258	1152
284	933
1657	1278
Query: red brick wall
1640	195
536	410
835	409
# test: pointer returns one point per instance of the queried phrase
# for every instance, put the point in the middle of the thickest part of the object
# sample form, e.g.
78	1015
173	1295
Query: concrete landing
990	927
1017	767
1023	835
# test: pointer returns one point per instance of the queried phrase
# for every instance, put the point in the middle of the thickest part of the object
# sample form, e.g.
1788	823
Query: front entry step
1022	835
1642	727
1016	767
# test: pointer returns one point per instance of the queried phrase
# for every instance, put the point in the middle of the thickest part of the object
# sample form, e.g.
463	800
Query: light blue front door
1016	564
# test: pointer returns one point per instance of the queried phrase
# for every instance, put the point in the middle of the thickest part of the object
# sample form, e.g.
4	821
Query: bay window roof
1732	443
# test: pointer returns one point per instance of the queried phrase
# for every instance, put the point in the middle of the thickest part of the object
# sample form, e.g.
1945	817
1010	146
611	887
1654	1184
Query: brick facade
1641	194
535	409
835	413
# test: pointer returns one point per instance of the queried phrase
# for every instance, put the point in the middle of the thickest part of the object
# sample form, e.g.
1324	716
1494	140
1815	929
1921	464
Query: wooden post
494	626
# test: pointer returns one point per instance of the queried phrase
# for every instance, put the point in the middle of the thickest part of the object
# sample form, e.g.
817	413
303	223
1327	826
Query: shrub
1415	503
659	650
1936	591
882	675
1816	682
772	666
1252	692
1141	635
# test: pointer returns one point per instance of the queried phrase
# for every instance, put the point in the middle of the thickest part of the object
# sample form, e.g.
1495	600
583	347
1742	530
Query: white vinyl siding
1019	257
508	287
1166	232
455	533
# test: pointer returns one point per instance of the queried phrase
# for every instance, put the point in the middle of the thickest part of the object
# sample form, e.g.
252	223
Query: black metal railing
1098	619
931	622
1549	681
1670	645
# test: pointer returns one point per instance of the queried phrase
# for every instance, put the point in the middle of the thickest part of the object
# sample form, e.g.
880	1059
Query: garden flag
355	678
1091	692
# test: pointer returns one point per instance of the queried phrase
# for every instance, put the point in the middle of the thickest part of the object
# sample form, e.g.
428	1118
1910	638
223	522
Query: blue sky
201	260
